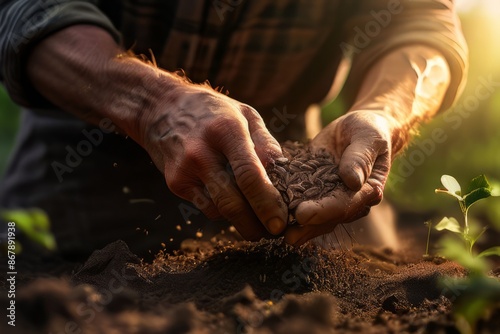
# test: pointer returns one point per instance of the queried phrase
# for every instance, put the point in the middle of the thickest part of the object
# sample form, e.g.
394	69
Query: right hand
213	151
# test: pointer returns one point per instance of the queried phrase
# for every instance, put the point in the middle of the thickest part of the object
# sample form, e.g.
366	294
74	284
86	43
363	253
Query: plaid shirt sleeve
379	26
23	23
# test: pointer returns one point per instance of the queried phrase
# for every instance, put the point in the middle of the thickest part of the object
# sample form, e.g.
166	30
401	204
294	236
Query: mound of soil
238	287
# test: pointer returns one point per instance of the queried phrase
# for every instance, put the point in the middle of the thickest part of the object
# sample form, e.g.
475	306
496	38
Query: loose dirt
237	287
230	286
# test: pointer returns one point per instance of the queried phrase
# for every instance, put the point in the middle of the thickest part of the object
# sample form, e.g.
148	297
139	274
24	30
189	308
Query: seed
281	187
307	168
314	163
293	179
312	178
311	192
285	197
331	178
325	161
293	204
319	183
302	175
280	170
297	188
322	170
306	184
281	160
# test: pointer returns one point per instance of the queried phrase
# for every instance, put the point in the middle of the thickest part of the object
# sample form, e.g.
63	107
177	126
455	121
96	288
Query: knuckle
246	174
178	185
227	206
222	126
380	145
377	196
191	157
250	112
364	158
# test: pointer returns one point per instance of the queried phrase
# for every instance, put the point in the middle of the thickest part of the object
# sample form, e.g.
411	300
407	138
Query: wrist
147	99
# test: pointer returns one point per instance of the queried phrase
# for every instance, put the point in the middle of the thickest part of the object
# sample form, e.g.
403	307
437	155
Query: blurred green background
471	149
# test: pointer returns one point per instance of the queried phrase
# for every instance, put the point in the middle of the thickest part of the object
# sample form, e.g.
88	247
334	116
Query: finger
230	203
202	200
297	235
266	146
252	180
358	158
340	207
262	196
356	164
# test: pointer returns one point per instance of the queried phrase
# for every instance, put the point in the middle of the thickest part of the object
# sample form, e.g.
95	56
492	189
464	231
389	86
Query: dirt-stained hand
361	142
213	151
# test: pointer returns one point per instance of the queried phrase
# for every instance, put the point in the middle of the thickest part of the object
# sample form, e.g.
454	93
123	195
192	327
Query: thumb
357	160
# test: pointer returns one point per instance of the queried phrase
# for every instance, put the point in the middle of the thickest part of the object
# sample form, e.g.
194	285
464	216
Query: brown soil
237	287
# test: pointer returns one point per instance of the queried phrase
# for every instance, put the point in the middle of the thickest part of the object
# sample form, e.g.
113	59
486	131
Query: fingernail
275	225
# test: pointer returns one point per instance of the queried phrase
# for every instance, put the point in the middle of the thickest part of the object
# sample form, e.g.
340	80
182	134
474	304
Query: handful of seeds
303	175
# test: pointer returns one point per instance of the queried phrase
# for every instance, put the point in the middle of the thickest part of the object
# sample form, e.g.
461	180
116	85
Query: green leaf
450	224
490	252
34	223
474	239
476	296
477	183
476	195
451	184
455	250
471	312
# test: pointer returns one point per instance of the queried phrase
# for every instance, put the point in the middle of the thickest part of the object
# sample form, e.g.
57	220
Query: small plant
477	189
477	294
34	223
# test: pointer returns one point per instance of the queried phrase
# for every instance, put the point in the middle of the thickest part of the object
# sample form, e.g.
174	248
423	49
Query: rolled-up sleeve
377	27
25	22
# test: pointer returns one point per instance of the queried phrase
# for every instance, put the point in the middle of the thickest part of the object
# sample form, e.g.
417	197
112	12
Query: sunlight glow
491	7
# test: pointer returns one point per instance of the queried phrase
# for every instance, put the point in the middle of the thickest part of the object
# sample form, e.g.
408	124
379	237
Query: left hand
360	142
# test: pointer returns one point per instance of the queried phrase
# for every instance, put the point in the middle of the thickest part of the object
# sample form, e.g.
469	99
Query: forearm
82	70
407	86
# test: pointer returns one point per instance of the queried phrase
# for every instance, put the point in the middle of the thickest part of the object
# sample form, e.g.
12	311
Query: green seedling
477	294
34	223
429	227
479	188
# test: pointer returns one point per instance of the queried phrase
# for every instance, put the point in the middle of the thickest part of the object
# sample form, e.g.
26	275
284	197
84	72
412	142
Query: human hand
213	151
360	142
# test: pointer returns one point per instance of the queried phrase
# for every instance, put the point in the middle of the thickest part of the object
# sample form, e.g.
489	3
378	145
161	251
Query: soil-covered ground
237	287
223	285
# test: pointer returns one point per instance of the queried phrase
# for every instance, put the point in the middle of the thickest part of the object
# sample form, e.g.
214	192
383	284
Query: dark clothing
270	54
